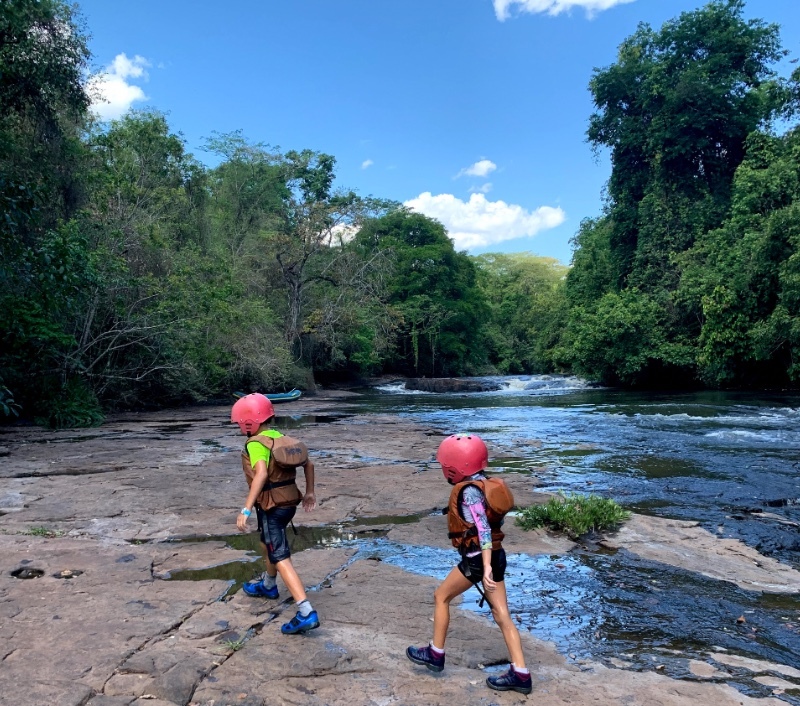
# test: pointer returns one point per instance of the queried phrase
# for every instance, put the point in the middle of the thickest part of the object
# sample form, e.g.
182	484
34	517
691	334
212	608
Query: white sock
268	581
436	649
520	670
305	608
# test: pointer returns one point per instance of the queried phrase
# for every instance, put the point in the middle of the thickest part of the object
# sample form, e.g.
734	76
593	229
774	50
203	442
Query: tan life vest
280	488
499	501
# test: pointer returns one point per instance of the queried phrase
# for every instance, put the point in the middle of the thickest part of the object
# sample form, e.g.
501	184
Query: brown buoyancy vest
499	501
280	488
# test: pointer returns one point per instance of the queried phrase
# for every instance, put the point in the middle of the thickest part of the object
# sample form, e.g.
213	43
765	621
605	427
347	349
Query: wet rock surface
725	559
442	385
112	509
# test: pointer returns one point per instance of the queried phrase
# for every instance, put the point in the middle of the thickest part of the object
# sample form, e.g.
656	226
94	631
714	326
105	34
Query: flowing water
729	461
712	457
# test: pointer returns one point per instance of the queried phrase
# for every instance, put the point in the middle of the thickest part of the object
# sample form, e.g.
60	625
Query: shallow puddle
240	571
295	421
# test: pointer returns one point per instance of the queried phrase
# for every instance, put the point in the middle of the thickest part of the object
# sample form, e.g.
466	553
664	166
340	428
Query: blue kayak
275	396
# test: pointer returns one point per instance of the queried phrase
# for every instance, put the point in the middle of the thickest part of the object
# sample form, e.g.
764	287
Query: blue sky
473	111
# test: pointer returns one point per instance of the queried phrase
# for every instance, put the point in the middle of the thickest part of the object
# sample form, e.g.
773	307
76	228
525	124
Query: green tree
675	111
286	233
527	308
43	260
744	275
438	307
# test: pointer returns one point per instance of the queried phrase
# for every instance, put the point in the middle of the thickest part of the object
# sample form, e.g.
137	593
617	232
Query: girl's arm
309	499
475	503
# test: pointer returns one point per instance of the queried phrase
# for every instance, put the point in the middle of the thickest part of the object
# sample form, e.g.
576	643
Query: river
713	457
724	459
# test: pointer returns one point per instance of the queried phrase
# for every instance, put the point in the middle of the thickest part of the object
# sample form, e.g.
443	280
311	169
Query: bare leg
454	585
287	571
503	619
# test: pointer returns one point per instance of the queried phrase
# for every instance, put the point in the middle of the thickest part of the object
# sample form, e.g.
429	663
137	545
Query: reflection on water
300	538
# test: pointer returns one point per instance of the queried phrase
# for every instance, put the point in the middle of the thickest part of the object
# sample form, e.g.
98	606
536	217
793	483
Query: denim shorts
472	566
272	527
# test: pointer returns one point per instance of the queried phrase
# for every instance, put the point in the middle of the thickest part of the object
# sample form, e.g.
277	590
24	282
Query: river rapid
726	460
718	458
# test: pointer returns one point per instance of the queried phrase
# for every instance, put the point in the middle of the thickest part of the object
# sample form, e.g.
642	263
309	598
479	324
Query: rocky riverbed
104	520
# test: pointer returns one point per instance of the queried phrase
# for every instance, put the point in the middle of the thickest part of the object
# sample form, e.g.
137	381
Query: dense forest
133	274
692	273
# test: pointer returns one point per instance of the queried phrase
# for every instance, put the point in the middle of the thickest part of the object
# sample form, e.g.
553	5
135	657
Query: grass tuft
234	645
43	532
574	514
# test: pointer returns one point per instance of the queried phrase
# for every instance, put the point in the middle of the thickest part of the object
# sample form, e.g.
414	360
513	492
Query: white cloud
112	93
481	168
502	8
482	189
479	222
367	163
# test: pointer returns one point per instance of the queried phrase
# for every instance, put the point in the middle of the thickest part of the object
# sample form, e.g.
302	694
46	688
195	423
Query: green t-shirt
258	452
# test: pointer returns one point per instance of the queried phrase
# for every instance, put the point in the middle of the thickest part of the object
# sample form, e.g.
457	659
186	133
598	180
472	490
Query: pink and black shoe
425	655
511	681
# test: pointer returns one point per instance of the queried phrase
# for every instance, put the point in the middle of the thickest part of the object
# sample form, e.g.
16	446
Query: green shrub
43	532
75	406
574	514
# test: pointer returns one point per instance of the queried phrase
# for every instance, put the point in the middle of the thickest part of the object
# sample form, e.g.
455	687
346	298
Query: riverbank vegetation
690	275
574	514
133	274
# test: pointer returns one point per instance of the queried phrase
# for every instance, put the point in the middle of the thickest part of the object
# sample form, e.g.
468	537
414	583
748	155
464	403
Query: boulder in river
451	385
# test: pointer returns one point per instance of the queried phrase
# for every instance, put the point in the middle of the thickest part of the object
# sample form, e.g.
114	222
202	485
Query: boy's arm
256	486
309	499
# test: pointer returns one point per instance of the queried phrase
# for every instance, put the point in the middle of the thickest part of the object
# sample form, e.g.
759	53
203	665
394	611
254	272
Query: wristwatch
246	512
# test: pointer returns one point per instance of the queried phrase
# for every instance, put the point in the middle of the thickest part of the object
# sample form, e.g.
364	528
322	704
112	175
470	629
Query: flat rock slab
777	683
704	670
756	666
80	630
117	634
372	612
689	546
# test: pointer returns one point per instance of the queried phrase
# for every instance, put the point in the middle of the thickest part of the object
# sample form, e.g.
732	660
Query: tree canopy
133	274
687	112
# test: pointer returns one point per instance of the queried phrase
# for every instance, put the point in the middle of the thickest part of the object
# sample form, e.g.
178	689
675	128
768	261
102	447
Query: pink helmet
462	455
251	411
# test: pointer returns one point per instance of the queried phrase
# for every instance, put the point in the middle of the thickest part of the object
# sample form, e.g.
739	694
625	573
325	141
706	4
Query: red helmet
251	411
461	456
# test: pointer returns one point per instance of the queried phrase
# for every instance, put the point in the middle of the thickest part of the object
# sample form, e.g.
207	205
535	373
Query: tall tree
43	259
675	110
433	292
527	308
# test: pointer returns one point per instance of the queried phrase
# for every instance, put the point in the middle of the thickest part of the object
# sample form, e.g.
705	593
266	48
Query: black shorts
472	566
272	528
